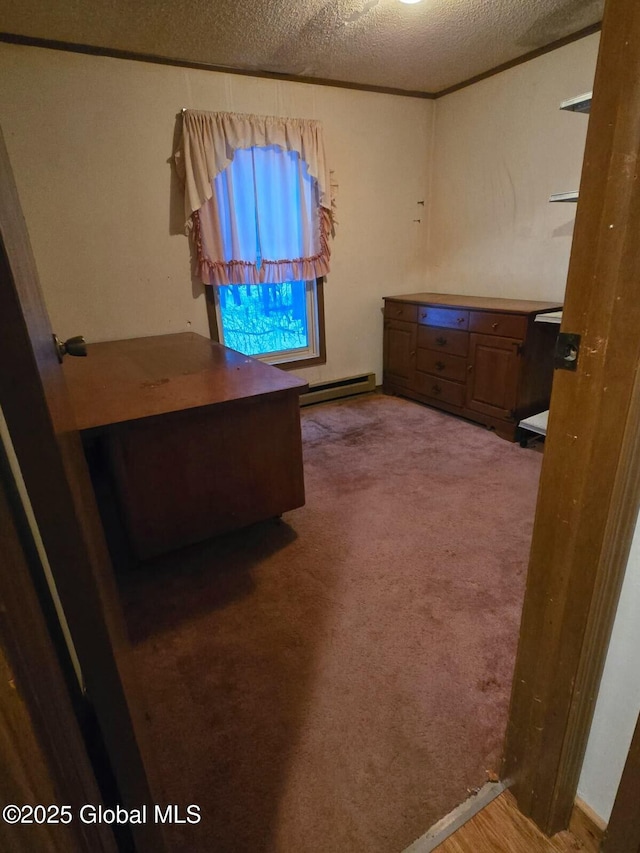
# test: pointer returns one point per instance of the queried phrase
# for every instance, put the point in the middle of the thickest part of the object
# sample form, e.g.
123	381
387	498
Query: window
266	204
279	323
258	201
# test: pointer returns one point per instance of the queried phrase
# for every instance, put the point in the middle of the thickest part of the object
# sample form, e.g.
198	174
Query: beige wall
90	139
502	147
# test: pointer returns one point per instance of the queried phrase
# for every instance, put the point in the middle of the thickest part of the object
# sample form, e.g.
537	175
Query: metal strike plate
567	351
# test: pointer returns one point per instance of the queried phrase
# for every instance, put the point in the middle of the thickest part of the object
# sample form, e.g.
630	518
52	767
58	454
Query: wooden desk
201	439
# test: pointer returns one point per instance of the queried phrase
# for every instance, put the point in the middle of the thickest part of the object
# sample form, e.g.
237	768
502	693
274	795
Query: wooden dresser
483	358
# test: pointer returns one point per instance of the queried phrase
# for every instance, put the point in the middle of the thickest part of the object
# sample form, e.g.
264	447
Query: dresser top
479	303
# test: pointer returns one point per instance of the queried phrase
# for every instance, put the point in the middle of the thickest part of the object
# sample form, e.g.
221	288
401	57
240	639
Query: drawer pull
442	342
399	311
440	365
423	315
494	326
460	321
436	389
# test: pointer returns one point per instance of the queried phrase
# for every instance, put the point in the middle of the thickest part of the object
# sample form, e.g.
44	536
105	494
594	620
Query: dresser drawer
449	341
448	318
442	364
439	389
401	311
505	325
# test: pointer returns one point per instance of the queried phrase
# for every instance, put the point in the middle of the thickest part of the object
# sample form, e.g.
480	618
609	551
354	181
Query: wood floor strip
501	828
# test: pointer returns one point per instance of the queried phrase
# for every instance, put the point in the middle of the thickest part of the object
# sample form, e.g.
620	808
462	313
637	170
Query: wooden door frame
44	760
590	483
623	831
52	463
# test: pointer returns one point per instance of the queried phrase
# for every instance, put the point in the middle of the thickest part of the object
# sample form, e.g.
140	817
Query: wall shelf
536	423
564	197
551	317
580	104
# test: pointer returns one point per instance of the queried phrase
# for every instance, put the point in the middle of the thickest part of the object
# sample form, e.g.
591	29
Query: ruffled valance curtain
258	197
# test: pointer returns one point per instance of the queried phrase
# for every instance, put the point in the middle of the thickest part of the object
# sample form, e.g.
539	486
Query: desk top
122	381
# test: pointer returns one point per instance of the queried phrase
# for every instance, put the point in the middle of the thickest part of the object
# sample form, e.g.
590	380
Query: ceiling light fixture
410	1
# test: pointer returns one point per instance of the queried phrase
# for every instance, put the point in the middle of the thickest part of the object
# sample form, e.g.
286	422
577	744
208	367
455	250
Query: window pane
259	319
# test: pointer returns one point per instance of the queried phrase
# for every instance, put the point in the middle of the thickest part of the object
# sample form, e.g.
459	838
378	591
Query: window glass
265	319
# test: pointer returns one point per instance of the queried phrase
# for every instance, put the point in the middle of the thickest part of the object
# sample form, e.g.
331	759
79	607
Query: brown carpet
337	681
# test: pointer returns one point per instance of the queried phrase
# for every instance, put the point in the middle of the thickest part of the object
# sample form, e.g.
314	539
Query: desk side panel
191	475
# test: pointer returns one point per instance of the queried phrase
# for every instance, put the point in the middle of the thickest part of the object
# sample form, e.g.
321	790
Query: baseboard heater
321	392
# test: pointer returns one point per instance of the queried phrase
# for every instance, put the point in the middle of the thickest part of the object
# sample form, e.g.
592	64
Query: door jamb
40	707
590	483
623	831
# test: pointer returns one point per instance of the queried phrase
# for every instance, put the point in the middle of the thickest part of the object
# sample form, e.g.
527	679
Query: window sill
300	363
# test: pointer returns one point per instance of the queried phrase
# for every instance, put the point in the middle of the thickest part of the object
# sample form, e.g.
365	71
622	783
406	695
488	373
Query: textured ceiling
425	47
